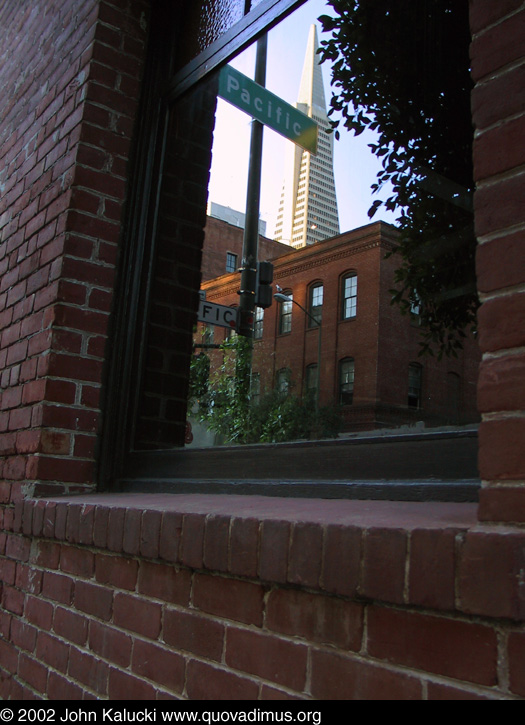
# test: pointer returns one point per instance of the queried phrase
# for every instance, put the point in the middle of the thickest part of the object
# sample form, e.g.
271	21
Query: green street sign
266	107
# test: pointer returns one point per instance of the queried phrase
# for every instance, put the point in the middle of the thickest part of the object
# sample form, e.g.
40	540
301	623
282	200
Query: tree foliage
223	402
401	68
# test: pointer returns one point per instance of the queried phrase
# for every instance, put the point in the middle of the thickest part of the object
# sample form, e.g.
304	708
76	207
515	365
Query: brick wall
71	72
382	341
186	600
157	597
499	117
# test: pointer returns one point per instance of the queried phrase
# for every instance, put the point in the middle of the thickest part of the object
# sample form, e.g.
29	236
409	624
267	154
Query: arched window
346	381
349	296
315	304
414	385
285	314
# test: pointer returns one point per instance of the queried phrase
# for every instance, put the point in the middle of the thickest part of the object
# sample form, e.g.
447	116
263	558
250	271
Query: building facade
159	596
370	361
308	206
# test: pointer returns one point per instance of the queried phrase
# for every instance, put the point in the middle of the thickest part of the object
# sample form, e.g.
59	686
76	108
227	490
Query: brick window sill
434	555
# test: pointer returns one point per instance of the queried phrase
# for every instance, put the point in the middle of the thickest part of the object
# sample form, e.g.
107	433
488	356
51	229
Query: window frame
316	311
345	297
287	315
121	466
340	384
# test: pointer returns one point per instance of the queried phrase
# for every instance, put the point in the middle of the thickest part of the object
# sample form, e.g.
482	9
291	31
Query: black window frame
120	467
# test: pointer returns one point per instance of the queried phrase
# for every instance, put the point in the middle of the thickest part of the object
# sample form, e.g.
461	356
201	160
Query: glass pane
204	22
335	250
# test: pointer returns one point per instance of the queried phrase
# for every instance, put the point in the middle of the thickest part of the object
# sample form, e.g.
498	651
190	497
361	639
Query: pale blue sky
355	166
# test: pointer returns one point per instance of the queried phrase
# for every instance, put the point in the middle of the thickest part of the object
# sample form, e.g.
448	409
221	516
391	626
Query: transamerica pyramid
308	207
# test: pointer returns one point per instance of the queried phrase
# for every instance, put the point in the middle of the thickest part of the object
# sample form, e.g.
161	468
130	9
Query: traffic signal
263	289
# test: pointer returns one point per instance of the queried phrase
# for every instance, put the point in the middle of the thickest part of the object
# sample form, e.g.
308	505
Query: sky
354	165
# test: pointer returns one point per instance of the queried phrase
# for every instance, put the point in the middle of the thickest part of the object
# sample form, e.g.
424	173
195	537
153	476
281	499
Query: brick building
115	595
369	350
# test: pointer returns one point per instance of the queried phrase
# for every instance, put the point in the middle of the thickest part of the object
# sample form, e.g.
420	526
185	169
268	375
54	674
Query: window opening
306	230
349	296
346	381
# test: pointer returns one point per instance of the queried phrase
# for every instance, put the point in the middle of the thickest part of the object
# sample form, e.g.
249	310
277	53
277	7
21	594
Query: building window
346	381
311	381
258	323
283	381
231	262
285	315
349	296
414	385
315	304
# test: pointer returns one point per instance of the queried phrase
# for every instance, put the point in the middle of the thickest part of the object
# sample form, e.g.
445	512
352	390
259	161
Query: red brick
94	599
432	568
52	651
500	385
498	98
501	323
109	643
159	665
115	534
216	543
206	682
13	600
229	598
61	688
244	545
438	691
137	615
70	625
33	672
165	582
150	534
170	535
79	562
28	580
116	571
315	617
273	557
336	677
123	686
269	657
39	613
23	635
46	554
193	633
501	262
501	453
89	670
516	662
192	540
384	550
306	554
502	503
497	559
131	536
448	647
483	14
57	587
341	560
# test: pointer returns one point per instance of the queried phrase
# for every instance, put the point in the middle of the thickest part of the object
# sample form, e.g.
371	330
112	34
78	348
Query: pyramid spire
308	207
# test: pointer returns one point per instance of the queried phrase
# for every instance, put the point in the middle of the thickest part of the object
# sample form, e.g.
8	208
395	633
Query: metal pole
253	194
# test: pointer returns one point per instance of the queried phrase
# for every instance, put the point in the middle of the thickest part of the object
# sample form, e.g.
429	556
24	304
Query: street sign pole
253	194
